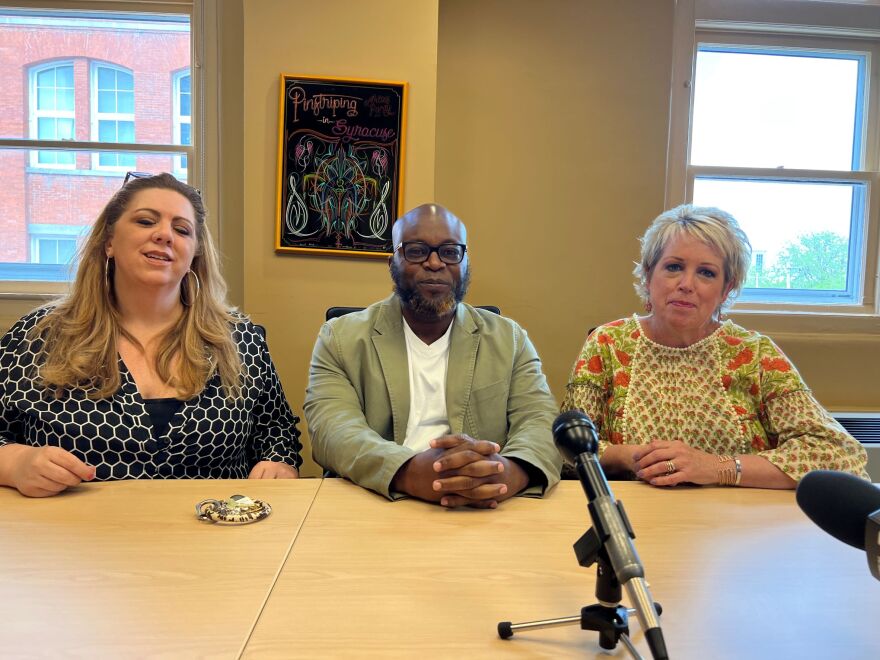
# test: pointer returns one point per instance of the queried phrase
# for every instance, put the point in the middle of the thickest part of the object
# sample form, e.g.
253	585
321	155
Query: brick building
83	79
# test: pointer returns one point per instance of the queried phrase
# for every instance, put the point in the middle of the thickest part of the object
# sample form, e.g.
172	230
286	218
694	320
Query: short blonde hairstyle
714	227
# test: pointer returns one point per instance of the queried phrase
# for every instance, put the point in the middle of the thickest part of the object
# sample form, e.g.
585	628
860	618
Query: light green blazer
357	400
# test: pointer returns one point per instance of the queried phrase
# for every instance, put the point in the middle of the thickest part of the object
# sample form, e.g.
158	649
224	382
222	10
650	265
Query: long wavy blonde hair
80	333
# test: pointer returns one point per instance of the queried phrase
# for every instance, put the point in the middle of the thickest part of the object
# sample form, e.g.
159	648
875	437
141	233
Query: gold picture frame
340	165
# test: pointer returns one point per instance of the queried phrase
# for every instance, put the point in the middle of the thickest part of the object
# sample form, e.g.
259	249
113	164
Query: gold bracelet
727	476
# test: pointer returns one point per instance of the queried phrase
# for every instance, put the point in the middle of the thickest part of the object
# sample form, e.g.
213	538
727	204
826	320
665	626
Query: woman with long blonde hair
142	370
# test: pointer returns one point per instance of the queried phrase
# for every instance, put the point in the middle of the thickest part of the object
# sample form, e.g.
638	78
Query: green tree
813	261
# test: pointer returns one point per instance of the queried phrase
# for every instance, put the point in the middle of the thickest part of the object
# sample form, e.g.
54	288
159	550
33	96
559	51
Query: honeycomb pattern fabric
209	437
734	392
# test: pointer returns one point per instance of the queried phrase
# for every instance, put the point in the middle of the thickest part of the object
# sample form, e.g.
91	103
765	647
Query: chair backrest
335	312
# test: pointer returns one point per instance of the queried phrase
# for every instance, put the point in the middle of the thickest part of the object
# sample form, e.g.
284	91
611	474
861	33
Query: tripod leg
506	628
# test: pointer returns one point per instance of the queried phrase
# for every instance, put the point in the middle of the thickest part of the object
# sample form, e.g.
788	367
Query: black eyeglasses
146	175
417	252
135	175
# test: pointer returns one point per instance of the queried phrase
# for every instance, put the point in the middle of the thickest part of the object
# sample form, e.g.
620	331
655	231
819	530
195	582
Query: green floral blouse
734	392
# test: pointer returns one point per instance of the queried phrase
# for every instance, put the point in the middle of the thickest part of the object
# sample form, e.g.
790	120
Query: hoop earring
107	282
185	299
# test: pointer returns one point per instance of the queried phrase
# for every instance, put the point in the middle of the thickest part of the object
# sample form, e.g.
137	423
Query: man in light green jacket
423	395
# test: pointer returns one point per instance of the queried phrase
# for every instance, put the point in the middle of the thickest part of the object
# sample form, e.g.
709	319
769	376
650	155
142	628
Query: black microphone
846	507
577	440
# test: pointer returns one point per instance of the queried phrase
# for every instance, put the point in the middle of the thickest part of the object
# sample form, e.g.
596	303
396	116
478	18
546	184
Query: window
52	115
98	82
780	134
53	250
182	116
54	243
760	111
113	113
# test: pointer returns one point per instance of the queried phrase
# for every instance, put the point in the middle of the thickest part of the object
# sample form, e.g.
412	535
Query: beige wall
551	133
380	39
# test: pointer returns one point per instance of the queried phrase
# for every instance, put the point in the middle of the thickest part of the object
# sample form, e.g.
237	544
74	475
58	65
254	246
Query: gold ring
670	467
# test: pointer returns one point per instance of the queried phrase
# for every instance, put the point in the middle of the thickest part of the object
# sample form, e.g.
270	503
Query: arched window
112	113
182	92
52	112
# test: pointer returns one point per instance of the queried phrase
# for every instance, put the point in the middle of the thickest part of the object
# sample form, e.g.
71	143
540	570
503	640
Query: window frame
692	28
205	25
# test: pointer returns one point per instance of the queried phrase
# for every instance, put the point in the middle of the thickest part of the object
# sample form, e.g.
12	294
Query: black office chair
335	312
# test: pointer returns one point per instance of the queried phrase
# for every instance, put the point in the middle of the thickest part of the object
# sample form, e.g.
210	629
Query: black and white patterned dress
210	436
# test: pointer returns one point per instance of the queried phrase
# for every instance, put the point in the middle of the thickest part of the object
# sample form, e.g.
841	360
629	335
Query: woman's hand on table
41	471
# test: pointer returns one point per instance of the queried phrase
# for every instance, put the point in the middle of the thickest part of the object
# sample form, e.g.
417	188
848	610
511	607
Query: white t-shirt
428	417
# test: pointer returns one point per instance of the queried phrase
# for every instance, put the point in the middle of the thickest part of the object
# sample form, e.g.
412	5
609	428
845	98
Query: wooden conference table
124	569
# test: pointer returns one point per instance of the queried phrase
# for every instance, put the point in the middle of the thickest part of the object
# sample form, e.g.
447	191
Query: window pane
119	160
185	134
125	102
757	109
106	78
64	129
801	230
46	78
46	98
64	99
47	251
185	96
66	250
106	101
107	131
64	76
46	128
185	105
126	131
124	81
47	157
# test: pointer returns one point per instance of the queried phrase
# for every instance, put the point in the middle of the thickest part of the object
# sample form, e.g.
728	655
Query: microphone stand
608	617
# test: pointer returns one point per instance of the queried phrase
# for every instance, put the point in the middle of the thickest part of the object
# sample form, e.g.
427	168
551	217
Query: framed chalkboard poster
340	164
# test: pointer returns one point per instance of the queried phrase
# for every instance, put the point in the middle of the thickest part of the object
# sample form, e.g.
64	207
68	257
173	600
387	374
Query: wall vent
863	426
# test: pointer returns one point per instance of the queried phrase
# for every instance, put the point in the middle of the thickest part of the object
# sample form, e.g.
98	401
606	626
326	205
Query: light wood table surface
741	573
125	570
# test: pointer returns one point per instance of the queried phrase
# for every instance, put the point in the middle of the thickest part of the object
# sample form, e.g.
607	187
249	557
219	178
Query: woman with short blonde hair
679	395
